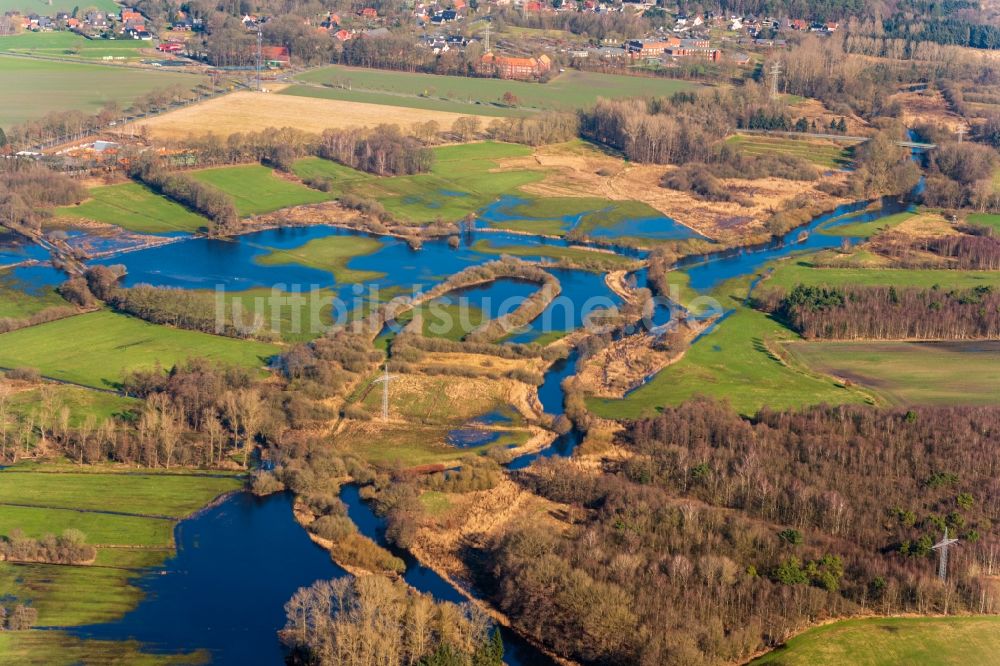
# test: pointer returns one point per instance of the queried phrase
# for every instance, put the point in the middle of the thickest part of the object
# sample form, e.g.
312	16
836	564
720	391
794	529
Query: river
240	560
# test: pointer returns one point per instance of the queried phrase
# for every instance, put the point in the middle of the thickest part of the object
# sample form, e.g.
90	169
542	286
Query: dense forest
717	536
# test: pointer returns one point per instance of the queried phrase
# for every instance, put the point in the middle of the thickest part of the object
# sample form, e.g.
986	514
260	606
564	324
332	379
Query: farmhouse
506	67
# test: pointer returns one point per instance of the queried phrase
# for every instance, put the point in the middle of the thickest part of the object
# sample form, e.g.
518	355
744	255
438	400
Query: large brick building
506	67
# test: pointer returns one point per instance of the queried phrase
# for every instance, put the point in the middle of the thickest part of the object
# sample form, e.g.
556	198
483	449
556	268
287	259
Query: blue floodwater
708	271
550	392
660	228
517	652
237	564
467	438
505	209
15	249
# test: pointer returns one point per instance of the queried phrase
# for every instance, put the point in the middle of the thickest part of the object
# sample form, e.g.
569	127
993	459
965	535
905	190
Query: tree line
70	547
886	313
200	197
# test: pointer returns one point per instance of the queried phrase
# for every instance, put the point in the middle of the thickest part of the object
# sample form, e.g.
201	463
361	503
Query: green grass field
568	91
98	348
63	86
18	301
931	641
410	101
821	153
596	260
136	208
791	272
866	229
70	44
414	445
459	183
57	648
75	595
82	403
736	363
42	7
986	219
257	189
317	167
910	373
332	254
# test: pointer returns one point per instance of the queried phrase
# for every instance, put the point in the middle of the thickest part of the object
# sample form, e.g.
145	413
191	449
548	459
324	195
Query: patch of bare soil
928	106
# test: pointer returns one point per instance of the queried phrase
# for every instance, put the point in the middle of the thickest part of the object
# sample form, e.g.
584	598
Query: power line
385	379
259	50
942	547
775	74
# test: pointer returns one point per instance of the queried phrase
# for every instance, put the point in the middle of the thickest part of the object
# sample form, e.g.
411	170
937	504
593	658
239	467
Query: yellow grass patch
579	170
928	107
813	109
251	111
926	225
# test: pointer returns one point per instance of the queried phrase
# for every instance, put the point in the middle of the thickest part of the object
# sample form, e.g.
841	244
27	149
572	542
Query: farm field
826	154
135	207
452	105
252	111
257	189
72	45
64	86
929	641
910	373
57	648
795	271
735	362
567	91
98	348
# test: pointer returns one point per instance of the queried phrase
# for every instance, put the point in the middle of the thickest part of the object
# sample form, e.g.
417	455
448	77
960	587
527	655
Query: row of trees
384	150
886	313
70	547
211	202
978	250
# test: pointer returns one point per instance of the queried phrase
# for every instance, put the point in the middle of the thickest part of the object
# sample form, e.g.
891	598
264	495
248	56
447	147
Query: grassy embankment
598	261
568	91
822	153
81	402
929	641
136	208
332	254
64	86
986	219
49	498
98	348
257	189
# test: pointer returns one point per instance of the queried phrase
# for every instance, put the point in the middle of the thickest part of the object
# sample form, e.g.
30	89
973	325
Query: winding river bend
240	560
